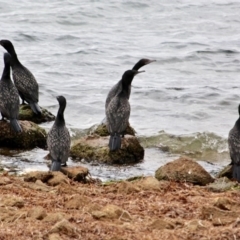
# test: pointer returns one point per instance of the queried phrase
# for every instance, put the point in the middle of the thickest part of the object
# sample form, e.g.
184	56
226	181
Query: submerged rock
26	113
102	131
31	136
184	170
94	147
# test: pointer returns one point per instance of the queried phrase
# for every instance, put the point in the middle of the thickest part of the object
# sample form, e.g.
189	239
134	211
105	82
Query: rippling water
185	103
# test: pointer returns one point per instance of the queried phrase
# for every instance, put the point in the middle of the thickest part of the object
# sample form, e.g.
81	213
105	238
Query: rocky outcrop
32	136
26	113
102	131
94	147
184	170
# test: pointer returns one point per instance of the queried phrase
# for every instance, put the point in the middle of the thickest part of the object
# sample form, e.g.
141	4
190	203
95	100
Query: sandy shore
140	209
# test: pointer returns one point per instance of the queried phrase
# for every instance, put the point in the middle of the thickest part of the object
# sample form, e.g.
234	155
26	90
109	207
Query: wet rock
225	172
161	224
221	185
26	113
77	202
94	147
32	136
218	216
112	212
38	213
64	227
102	131
78	174
184	170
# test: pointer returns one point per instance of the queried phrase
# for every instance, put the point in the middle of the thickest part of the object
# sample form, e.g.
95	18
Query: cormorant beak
137	72
150	61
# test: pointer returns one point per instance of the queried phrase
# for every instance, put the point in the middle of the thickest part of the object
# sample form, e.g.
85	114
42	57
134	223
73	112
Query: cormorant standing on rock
24	80
118	111
9	98
58	139
118	86
234	147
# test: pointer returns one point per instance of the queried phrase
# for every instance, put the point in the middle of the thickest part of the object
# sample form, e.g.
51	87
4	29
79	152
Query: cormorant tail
236	172
114	142
56	166
35	108
15	125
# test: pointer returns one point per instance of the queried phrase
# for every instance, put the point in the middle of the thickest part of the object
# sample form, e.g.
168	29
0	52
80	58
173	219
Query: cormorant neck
14	57
14	60
60	121
125	85
238	123
138	65
6	72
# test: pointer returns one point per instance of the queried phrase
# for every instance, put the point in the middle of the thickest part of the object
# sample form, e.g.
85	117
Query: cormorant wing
26	83
234	145
117	88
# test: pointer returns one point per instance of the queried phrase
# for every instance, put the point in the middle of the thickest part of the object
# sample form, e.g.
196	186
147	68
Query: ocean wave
203	146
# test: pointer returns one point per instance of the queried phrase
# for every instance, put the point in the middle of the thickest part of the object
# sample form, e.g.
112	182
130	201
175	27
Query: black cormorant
9	98
58	139
118	111
234	147
24	80
118	86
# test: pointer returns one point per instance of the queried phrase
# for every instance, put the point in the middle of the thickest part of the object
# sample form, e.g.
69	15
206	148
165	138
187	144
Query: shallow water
81	50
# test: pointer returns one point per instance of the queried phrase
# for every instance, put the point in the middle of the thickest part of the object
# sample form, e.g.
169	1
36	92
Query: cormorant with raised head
118	86
9	98
234	147
24	80
58	139
118	111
